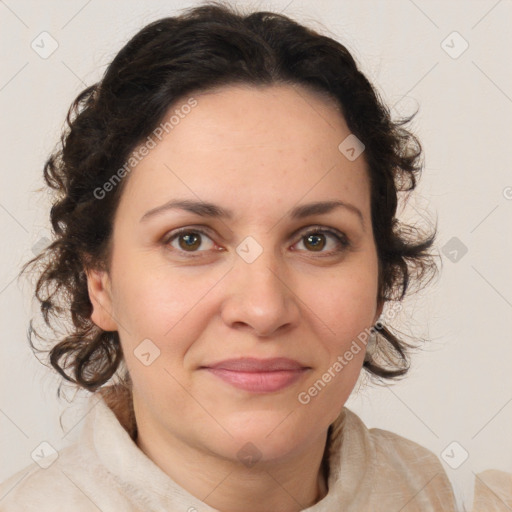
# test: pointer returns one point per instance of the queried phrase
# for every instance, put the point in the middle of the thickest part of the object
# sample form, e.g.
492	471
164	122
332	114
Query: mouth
258	375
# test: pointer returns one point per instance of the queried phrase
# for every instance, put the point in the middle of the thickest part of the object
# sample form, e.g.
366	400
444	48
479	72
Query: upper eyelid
204	230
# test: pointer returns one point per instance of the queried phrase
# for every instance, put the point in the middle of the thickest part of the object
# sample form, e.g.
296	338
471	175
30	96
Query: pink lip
258	375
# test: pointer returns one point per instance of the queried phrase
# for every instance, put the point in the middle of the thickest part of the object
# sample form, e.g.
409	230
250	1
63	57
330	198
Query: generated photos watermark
358	344
143	150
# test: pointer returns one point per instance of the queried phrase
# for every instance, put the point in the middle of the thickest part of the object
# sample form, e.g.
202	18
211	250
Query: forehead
269	117
250	145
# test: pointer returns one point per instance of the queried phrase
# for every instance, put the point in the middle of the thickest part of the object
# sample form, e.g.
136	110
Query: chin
267	435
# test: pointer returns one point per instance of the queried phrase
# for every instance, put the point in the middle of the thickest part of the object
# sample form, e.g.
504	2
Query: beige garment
370	470
493	491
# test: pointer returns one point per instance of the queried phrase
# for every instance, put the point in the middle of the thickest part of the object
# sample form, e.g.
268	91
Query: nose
260	297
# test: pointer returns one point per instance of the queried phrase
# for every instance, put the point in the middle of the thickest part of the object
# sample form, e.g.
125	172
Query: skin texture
258	152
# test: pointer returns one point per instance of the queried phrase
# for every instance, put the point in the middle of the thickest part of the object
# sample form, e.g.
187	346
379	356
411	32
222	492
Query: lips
258	375
250	364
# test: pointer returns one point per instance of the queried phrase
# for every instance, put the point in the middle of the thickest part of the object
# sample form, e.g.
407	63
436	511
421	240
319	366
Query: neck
288	485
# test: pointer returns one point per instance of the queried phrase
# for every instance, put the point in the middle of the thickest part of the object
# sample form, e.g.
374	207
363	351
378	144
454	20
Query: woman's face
262	281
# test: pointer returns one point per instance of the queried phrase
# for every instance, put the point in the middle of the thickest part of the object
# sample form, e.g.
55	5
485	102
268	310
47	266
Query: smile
258	375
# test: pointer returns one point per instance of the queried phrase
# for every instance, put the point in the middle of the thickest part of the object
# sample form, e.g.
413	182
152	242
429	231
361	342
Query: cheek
148	296
345	303
160	317
164	305
344	309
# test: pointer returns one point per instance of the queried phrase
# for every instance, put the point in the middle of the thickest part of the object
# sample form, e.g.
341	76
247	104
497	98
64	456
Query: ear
100	295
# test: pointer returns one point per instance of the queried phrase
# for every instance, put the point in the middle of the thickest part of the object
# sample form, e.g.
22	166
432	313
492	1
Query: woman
226	244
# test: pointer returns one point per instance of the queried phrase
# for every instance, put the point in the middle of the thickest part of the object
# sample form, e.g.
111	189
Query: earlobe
99	289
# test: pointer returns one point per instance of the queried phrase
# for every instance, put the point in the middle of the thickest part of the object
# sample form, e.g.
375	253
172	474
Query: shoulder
392	449
25	489
493	491
73	481
400	454
403	468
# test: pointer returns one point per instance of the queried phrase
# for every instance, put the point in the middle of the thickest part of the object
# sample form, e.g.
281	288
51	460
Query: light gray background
460	386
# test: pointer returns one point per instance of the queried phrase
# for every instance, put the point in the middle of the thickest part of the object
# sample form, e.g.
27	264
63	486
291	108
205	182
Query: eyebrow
205	209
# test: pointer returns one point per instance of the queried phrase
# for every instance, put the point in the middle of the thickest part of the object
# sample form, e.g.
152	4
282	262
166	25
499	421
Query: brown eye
316	240
189	241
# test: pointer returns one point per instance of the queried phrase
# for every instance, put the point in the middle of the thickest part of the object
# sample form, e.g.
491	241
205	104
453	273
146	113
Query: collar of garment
368	470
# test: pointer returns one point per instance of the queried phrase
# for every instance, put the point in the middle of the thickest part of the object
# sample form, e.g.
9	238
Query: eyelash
341	239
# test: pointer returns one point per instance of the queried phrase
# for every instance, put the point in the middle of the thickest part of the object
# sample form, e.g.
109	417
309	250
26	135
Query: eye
315	239
188	240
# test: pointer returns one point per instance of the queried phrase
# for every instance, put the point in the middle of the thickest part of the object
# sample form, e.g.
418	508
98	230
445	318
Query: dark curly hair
205	47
